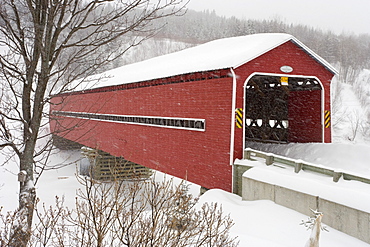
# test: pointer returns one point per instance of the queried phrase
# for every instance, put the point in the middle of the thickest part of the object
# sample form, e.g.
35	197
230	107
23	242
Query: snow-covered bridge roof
214	55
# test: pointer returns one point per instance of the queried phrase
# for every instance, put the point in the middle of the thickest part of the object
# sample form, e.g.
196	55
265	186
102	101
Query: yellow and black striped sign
327	119
239	118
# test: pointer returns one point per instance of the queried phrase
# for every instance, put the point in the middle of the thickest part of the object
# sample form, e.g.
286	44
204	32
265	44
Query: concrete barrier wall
345	219
295	200
351	221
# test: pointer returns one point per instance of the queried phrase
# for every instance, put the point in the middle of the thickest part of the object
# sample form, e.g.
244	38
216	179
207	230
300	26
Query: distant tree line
349	51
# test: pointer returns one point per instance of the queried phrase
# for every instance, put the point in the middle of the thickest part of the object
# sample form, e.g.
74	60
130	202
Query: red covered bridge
191	113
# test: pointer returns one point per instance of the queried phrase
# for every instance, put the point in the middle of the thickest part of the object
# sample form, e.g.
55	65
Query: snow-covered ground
257	223
263	223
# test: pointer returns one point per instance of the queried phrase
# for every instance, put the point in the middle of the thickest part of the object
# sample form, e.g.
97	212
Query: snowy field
257	223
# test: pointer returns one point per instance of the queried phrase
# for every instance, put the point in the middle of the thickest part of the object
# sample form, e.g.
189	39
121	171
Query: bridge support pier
106	167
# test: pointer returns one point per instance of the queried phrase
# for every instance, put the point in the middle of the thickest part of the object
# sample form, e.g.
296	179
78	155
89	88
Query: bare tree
336	102
44	46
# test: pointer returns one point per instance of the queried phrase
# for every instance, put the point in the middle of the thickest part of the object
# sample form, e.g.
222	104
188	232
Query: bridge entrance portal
283	109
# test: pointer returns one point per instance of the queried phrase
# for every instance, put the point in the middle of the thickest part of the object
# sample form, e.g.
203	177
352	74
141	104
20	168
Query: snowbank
349	193
354	158
264	223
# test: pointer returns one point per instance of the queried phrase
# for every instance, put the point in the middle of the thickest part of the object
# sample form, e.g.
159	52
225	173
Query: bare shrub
129	213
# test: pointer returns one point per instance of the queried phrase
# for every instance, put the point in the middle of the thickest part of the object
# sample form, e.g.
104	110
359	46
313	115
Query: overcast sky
349	16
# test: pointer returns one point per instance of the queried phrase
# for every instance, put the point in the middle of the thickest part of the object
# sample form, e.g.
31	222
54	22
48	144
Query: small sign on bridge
239	118
284	81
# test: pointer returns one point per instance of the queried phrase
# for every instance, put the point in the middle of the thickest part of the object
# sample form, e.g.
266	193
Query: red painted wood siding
200	157
305	122
271	62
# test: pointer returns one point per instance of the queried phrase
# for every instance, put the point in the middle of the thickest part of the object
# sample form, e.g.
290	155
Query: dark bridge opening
283	109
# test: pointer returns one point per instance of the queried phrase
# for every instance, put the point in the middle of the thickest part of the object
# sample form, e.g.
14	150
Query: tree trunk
315	234
27	197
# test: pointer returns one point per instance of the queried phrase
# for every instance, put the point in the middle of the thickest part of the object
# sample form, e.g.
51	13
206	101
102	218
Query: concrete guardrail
299	165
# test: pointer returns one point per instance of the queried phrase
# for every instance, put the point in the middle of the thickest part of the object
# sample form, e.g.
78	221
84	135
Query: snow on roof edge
218	54
263	52
316	56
